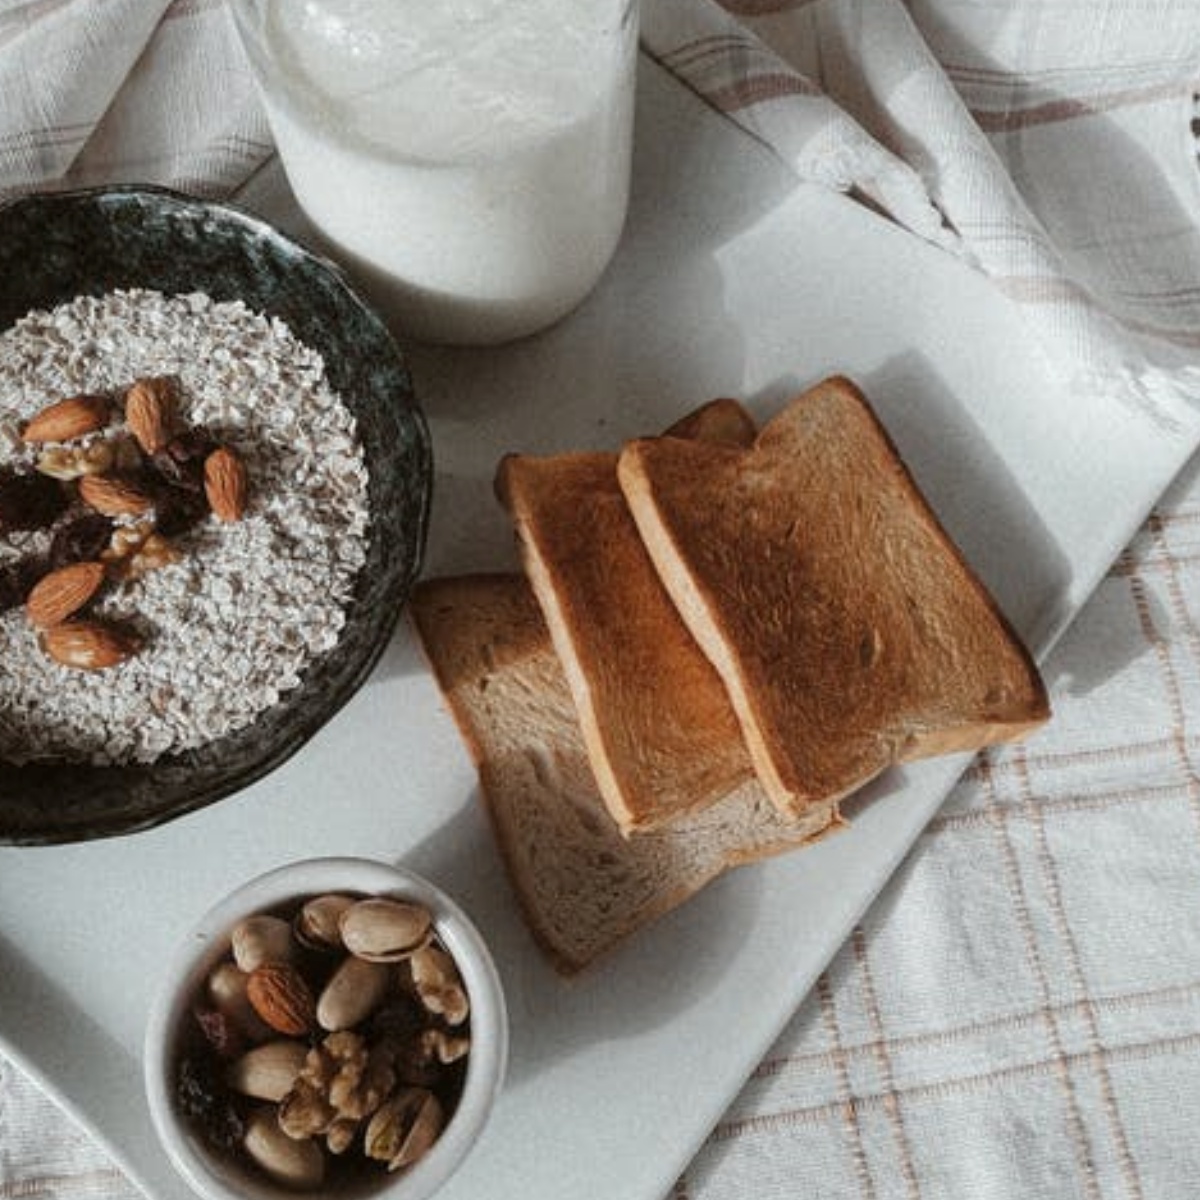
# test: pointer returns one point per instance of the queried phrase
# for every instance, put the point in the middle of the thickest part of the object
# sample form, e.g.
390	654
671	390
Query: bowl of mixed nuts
336	1025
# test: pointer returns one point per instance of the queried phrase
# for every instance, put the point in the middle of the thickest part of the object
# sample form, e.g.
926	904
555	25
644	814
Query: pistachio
295	1164
381	930
404	1128
226	990
353	992
262	939
268	1072
437	982
316	924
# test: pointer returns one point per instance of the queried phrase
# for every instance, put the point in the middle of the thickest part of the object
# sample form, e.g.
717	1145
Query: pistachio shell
316	924
268	1071
404	1128
226	989
262	939
295	1164
352	993
381	930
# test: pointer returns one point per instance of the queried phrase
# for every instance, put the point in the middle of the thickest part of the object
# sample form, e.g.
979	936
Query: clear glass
468	160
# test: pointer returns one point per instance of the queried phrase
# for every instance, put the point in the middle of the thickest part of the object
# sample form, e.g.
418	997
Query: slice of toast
657	722
849	630
581	885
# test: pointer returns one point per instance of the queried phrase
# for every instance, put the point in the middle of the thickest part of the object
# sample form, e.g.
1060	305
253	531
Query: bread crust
849	629
657	722
582	887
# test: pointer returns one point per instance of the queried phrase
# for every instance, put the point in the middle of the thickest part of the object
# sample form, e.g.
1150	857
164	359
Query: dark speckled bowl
56	247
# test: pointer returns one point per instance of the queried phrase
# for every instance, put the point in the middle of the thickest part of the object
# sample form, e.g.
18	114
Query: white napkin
1054	141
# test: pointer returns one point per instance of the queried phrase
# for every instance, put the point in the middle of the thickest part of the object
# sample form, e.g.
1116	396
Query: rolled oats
233	621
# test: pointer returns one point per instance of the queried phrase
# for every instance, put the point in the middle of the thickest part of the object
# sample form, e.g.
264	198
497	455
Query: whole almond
66	419
281	997
225	484
58	595
149	411
88	645
114	496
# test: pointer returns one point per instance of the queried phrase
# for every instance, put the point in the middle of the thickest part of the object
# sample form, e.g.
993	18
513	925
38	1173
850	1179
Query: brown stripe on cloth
1096	802
719	45
1069	108
54	1185
756	89
949	1089
883	1061
762	8
1117	1002
1080	1143
1075	972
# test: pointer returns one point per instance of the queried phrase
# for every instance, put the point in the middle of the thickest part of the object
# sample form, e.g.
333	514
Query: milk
467	159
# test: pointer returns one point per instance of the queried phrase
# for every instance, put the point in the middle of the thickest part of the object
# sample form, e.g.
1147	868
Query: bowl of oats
215	484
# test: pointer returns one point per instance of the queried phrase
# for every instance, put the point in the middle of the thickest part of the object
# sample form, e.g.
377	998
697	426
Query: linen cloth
1018	1016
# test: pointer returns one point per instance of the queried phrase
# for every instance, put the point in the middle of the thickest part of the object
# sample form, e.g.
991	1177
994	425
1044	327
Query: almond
63	592
225	484
89	645
114	496
281	997
66	419
149	411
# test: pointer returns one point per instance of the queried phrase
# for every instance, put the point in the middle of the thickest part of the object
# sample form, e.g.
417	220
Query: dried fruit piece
225	484
282	998
16	581
89	645
177	509
114	495
181	461
81	539
66	419
28	501
203	1099
150	411
63	592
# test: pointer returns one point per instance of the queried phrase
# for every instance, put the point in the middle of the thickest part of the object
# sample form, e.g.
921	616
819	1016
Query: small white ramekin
219	1177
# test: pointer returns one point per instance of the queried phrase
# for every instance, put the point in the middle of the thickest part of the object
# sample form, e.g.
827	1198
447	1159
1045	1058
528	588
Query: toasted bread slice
849	630
582	886
657	722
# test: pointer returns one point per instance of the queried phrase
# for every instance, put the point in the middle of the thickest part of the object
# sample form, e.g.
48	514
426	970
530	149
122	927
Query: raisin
205	1101
219	1032
178	509
17	580
181	461
80	540
29	501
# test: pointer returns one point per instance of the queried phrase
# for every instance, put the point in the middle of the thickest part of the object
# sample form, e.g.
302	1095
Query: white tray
731	280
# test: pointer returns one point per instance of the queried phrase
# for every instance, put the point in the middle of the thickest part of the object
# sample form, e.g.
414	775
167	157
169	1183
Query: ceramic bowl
56	247
220	1176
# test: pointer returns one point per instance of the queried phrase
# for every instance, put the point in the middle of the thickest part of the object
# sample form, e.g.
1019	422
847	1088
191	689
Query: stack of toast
720	633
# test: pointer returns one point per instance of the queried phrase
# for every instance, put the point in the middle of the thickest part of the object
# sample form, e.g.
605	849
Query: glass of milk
467	160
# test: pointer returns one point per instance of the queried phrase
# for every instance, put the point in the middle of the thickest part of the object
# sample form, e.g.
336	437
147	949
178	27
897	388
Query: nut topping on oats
89	645
114	496
243	608
149	411
225	484
66	419
63	593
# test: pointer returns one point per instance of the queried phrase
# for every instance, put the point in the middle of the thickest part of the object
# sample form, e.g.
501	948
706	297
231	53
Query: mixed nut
122	479
334	1033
